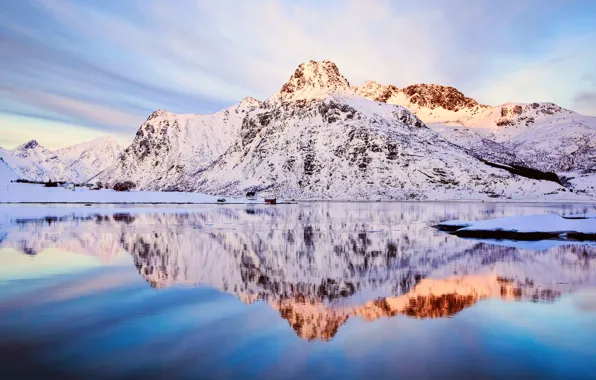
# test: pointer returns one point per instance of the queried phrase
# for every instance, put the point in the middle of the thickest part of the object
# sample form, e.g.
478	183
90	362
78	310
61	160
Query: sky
73	70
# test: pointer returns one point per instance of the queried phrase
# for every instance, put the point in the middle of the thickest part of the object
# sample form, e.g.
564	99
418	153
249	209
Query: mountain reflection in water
318	264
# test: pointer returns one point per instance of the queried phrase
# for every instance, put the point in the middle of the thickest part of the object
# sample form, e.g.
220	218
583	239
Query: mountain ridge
314	111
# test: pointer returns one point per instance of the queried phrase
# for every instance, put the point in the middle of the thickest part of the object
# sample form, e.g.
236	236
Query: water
314	290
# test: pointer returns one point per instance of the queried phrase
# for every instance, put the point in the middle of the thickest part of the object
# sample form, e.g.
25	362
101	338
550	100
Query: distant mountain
34	162
87	159
539	135
6	173
75	163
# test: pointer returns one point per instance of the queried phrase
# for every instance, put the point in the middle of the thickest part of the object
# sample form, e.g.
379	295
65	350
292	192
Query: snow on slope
169	147
6	174
349	147
34	162
539	135
88	159
76	163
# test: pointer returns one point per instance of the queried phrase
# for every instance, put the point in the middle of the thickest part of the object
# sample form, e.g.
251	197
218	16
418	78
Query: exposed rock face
428	96
313	80
433	96
542	136
377	92
169	148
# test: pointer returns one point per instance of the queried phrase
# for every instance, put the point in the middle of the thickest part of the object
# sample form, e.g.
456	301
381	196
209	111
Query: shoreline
511	201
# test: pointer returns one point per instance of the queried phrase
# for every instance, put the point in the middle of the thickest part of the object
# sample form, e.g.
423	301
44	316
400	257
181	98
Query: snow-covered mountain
320	137
87	159
75	163
315	138
169	148
543	136
312	140
34	162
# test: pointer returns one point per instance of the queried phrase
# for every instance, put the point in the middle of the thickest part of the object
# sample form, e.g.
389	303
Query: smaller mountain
169	147
75	163
34	162
87	159
432	103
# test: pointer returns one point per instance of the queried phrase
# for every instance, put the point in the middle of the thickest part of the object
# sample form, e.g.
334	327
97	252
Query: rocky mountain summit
315	138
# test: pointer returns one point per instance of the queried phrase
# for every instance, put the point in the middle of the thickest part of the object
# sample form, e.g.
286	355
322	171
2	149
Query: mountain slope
75	163
169	147
539	135
345	146
6	173
87	159
34	162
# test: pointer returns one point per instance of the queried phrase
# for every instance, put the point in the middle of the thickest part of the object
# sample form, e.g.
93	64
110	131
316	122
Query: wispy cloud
108	64
586	102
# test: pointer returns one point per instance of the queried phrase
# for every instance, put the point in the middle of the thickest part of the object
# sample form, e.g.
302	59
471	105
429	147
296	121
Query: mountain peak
30	145
434	95
250	101
106	140
377	92
315	80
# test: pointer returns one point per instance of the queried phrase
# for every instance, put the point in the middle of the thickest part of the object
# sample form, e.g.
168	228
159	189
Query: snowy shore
28	193
526	227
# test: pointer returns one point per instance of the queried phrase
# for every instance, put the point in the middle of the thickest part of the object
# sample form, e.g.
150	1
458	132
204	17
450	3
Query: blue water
290	291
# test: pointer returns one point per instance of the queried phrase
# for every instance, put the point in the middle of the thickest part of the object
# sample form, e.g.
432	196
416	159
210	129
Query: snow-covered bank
12	192
28	193
526	227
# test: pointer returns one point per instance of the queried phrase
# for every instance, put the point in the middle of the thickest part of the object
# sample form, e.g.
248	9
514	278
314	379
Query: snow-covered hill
169	148
539	135
87	159
75	163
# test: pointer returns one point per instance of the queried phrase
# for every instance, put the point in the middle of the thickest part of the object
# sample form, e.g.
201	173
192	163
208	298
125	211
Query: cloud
107	65
585	102
85	112
17	129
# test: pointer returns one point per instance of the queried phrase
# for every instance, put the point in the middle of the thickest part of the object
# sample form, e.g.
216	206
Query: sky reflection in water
317	289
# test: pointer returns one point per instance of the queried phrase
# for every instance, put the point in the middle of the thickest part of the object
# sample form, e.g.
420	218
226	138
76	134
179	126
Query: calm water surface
314	290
